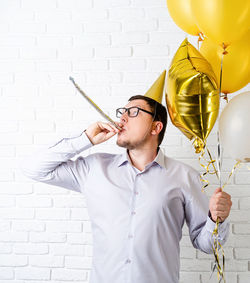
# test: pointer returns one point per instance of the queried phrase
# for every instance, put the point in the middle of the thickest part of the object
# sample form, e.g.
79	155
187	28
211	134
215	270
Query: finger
105	135
219	215
118	123
217	190
220	207
225	195
215	216
217	207
222	202
222	194
114	127
107	126
110	135
222	197
222	215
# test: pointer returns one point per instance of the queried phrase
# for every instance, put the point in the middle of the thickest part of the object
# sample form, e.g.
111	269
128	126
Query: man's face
135	130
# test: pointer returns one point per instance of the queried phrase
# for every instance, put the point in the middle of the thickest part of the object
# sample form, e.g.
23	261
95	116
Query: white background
114	49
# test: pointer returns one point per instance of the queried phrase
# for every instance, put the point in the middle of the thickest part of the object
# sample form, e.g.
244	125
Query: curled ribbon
200	146
216	243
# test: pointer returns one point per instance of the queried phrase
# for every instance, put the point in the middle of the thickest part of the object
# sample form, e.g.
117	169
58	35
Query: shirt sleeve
200	225
53	165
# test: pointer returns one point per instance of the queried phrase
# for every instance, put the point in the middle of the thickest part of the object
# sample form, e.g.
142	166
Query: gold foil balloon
182	14
192	94
236	62
223	21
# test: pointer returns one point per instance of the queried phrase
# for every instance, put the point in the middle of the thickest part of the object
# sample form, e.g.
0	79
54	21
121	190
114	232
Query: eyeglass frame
138	110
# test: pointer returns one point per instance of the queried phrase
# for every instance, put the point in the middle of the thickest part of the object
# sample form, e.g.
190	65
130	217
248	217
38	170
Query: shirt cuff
222	229
80	143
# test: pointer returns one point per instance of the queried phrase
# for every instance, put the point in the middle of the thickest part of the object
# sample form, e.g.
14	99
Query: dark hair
159	110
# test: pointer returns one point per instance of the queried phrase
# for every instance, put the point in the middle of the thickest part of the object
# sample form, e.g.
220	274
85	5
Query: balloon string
219	160
216	244
203	180
206	166
212	162
221	70
235	167
221	65
200	38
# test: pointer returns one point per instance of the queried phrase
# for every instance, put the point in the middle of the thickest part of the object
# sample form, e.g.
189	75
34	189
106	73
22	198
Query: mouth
122	131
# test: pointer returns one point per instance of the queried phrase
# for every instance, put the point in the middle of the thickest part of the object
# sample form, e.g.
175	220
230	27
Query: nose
124	118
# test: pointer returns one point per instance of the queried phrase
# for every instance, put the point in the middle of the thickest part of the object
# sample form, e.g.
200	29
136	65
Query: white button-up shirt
136	216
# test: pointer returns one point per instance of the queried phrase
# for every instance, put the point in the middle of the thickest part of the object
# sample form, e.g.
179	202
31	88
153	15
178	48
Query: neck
141	157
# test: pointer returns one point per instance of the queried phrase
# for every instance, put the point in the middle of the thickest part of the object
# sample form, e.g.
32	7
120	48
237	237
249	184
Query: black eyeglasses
132	111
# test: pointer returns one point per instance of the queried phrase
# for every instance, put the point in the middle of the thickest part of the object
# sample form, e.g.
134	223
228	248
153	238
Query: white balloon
234	127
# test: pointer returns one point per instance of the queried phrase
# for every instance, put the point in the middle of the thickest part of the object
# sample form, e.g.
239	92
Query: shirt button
128	260
133	212
130	236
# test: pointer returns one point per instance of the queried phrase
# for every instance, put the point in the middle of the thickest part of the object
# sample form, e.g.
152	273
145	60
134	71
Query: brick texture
114	49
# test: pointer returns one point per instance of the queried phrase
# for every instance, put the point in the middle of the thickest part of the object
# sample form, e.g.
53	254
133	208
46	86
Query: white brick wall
114	49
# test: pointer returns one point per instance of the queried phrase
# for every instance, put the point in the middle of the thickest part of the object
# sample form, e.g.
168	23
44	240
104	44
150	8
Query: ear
157	127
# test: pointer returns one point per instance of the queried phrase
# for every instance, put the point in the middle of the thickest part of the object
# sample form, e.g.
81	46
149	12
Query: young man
138	201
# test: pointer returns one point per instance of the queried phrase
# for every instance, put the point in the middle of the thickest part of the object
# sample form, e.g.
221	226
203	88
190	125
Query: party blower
94	105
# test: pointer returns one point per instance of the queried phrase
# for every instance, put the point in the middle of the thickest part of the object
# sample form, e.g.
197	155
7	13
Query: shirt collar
124	158
159	159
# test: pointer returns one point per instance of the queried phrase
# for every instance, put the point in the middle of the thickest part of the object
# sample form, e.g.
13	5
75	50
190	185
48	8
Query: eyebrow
136	106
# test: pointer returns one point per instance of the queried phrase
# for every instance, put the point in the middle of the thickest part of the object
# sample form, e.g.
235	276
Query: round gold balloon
223	21
182	14
192	94
236	62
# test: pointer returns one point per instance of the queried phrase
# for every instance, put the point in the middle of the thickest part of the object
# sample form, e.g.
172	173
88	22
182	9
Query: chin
125	144
128	144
